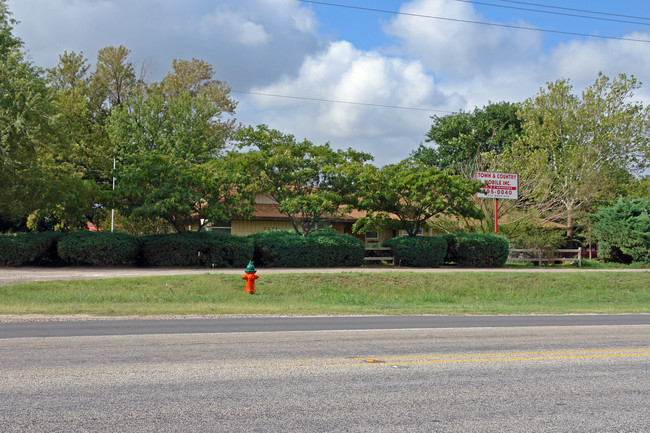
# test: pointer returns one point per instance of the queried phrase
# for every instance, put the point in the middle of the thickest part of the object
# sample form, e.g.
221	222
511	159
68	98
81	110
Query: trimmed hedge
320	249
196	249
452	254
100	249
29	249
477	250
623	231
421	251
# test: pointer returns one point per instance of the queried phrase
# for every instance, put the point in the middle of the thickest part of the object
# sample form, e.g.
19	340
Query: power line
575	10
474	22
554	13
366	104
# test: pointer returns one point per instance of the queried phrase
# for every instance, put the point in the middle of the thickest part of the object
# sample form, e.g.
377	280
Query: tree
88	146
640	188
171	159
26	125
8	42
461	137
114	78
414	194
196	78
310	182
581	149
70	73
623	231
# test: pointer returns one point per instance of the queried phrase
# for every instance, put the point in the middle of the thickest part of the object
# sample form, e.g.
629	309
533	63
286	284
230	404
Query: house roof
271	212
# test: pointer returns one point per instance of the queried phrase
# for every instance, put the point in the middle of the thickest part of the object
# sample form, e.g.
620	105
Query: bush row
29	248
275	248
422	252
464	249
320	249
114	249
476	250
218	250
185	249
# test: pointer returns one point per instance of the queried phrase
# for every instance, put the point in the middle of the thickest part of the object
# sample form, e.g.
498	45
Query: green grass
342	293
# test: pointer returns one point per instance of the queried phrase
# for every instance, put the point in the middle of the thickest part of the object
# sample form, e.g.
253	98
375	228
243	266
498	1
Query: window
221	227
405	233
372	235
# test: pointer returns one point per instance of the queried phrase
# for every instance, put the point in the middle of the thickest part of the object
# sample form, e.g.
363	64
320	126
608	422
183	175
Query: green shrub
196	249
452	254
319	249
478	250
335	249
534	236
421	251
50	256
100	249
29	249
623	231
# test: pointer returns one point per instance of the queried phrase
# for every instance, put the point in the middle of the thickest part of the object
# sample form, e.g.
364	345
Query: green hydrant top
250	269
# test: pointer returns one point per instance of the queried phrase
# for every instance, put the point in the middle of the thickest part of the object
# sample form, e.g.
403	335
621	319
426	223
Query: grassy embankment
342	293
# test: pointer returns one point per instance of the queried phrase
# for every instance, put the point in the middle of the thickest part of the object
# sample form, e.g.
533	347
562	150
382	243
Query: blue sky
325	52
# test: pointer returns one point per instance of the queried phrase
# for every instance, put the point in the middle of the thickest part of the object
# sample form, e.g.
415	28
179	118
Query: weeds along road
474	375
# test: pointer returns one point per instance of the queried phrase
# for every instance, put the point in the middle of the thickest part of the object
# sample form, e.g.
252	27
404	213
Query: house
268	217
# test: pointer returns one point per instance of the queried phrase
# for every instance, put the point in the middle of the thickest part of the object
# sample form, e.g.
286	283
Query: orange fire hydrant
250	278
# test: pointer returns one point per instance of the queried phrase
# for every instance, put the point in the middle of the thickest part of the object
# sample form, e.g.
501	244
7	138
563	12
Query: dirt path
25	274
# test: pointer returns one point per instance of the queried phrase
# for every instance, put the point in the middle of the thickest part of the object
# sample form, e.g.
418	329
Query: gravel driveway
24	274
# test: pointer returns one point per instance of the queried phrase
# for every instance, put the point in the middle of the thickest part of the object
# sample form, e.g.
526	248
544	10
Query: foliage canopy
310	182
414	194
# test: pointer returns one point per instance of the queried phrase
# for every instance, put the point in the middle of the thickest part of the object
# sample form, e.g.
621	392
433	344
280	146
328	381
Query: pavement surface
478	379
74	326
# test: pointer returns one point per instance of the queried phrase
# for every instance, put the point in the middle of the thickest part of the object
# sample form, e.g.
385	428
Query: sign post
499	185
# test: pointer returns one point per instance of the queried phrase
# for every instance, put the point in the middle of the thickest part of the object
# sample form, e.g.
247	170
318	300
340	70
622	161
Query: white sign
499	185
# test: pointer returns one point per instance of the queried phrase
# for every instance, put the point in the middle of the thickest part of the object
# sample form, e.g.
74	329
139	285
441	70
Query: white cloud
247	41
242	30
460	49
493	63
580	60
272	46
343	73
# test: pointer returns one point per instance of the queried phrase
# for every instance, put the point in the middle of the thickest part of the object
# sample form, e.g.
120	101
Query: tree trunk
569	227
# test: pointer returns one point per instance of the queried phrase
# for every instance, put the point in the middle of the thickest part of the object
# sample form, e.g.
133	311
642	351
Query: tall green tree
623	231
310	182
88	148
639	188
27	116
114	78
8	42
83	155
413	194
461	137
171	159
581	149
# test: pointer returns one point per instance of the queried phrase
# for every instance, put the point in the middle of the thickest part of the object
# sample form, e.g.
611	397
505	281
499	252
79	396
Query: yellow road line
460	358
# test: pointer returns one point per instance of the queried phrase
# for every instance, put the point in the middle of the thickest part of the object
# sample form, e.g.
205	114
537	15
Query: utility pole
113	210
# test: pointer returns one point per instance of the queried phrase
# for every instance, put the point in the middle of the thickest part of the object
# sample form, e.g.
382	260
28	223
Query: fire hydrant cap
250	268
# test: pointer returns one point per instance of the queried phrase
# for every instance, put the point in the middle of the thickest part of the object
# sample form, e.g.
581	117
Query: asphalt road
66	326
560	374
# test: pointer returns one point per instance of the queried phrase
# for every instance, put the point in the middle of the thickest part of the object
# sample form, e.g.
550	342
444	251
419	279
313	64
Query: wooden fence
385	254
538	255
